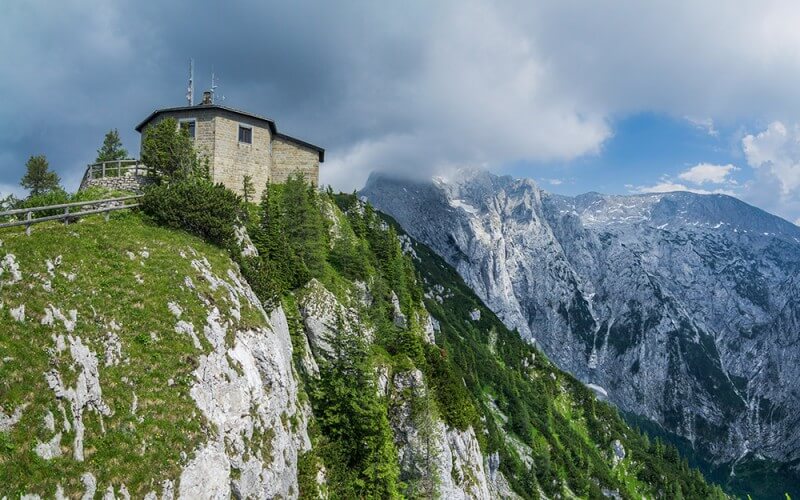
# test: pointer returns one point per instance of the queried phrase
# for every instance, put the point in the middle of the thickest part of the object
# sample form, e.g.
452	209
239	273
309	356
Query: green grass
138	450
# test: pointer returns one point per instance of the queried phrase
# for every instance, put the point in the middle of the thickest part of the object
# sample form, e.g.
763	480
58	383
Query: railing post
28	218
103	170
66	215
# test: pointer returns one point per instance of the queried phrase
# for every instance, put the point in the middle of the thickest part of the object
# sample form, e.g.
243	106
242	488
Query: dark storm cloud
412	86
406	85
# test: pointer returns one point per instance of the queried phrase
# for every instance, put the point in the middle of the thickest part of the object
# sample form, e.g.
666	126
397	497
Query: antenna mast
190	90
214	87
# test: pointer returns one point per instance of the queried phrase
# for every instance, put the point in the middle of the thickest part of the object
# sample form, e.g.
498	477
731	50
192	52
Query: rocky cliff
681	308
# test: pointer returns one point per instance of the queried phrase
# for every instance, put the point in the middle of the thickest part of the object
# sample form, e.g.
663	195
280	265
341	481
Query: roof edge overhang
271	124
303	143
154	114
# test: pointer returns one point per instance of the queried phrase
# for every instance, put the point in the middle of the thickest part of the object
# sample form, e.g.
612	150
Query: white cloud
481	100
774	155
667	185
706	124
555	182
715	60
706	173
776	150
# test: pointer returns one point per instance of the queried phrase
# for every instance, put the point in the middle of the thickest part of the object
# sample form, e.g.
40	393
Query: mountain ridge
673	304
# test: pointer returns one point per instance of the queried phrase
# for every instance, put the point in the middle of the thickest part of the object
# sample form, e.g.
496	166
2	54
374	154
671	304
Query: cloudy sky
618	97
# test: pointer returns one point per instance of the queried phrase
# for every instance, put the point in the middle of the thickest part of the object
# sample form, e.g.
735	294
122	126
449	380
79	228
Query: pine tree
247	189
170	152
38	178
112	148
304	223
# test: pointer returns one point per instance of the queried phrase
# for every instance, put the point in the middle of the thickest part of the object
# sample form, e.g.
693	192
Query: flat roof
270	123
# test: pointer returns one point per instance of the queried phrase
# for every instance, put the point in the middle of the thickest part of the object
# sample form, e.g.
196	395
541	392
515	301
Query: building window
188	126
245	134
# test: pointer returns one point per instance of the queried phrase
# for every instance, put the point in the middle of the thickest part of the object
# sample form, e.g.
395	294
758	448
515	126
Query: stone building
238	143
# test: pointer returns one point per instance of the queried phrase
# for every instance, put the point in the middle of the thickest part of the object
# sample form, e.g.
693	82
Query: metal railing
115	168
67	215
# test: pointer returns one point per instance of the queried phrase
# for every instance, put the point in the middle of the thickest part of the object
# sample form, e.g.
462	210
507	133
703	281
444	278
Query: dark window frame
190	125
245	134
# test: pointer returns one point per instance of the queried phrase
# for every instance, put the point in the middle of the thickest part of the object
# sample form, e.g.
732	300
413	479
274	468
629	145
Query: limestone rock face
442	462
683	307
398	317
619	451
248	392
325	318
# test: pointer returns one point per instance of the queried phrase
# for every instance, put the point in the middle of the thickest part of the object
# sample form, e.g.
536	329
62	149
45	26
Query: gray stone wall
127	182
233	160
290	158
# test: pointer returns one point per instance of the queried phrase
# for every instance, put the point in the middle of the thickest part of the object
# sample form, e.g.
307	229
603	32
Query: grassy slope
139	450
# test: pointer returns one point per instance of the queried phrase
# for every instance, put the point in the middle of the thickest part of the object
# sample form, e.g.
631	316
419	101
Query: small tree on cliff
248	189
38	178
112	148
169	152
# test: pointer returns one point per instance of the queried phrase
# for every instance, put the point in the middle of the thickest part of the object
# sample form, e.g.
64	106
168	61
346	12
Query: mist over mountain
684	308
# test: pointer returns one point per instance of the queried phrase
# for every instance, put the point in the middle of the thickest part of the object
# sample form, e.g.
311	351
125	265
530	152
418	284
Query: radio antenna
214	87
190	90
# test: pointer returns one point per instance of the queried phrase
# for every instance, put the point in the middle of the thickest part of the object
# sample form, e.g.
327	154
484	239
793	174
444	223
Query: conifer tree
169	151
247	189
38	178
304	224
112	148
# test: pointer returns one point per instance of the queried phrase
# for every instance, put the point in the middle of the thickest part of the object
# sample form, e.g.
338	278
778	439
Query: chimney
207	98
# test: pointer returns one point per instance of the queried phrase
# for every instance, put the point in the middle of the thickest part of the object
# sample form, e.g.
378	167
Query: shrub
197	206
54	197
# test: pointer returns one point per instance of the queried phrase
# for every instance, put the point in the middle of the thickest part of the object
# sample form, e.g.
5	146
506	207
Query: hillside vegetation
407	384
94	377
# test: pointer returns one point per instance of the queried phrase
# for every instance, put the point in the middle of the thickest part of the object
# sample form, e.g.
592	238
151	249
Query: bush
54	197
197	206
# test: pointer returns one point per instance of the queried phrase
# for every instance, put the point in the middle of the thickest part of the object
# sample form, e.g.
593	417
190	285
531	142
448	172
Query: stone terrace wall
127	182
290	158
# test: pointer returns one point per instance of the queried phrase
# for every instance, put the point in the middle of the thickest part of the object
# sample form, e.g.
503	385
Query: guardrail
28	220
115	168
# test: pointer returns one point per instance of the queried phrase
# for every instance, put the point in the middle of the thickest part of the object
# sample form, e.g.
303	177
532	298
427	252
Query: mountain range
681	309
